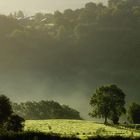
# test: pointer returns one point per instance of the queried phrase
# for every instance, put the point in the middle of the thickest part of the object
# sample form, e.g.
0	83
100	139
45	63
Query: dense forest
45	110
74	50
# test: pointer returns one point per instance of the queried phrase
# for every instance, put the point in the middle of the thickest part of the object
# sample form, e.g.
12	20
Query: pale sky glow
32	6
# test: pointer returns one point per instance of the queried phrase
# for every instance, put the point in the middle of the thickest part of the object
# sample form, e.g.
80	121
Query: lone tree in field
108	102
134	113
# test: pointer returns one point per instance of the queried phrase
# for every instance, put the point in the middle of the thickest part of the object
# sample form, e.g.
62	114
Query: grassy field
79	128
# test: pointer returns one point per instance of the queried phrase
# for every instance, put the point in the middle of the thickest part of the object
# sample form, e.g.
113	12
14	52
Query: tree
134	113
8	120
108	102
113	3
89	14
14	123
5	108
39	16
19	14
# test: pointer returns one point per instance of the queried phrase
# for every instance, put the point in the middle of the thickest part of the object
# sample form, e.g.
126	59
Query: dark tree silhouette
5	108
14	123
134	113
45	110
108	102
8	120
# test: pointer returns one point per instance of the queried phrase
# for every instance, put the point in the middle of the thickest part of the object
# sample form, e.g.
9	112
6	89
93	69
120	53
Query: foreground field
78	128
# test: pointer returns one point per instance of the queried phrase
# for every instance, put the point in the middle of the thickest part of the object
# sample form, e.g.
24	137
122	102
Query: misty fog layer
66	56
33	6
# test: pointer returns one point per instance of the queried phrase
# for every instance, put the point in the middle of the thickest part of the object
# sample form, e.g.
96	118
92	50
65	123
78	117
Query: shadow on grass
113	138
51	136
33	136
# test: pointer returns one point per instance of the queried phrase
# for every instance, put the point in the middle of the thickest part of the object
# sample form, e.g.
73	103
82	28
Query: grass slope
79	128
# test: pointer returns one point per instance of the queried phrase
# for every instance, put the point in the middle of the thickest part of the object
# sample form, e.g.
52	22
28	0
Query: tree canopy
45	110
8	120
108	102
134	113
5	108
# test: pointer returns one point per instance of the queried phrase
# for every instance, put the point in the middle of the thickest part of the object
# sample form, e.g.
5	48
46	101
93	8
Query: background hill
31	6
65	56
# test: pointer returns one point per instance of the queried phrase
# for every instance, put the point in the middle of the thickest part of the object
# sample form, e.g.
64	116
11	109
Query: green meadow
80	128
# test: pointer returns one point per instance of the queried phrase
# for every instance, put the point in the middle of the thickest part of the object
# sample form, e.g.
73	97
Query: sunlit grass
82	129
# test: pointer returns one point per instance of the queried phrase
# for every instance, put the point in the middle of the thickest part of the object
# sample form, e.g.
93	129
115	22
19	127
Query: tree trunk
105	120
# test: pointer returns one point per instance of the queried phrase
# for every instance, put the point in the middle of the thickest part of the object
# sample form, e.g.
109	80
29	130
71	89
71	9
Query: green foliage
5	108
14	123
134	113
108	102
19	14
115	119
45	110
100	131
8	120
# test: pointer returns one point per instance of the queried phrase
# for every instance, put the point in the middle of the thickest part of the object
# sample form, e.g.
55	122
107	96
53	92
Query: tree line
43	110
107	102
13	115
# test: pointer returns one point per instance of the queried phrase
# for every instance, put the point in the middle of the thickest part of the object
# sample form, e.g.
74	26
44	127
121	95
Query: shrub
14	123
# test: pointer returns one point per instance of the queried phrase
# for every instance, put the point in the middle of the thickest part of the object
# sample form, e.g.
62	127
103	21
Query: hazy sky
31	6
